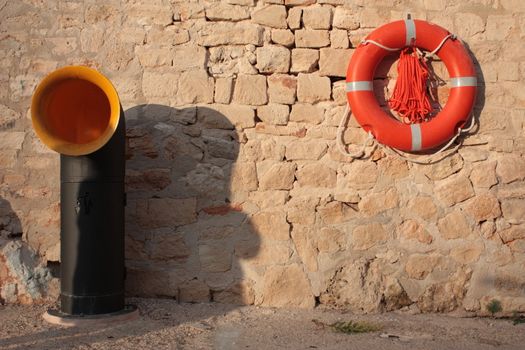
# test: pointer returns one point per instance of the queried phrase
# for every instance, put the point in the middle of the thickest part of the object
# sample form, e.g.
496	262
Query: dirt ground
164	324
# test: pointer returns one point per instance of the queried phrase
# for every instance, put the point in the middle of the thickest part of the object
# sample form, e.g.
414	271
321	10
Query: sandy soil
164	324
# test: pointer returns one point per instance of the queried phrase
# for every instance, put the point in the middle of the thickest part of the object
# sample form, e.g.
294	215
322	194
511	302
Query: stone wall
237	192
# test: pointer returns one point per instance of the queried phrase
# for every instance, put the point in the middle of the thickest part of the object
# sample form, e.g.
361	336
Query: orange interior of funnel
77	111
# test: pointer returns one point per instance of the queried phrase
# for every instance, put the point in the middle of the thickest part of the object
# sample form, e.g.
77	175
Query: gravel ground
164	324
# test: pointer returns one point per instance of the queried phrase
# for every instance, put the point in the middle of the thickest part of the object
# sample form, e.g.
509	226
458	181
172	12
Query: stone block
316	175
195	87
11	140
214	257
367	236
334	62
335	212
339	39
467	254
419	266
299	2
223	116
282	88
283	37
358	175
412	230
375	203
304	60
484	207
194	291
301	210
279	176
345	18
454	226
271	15
423	206
226	33
244	176
483	175
510	168
153	56
312	38
159	84
223	90
330	240
273	59
287	286
304	240
312	88
294	17
513	210
166	212
271	225
454	190
468	25
305	150
250	90
240	293
306	113
317	17
275	114
189	57
226	12
499	27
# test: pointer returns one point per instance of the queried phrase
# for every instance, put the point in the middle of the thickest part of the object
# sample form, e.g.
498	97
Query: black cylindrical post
92	229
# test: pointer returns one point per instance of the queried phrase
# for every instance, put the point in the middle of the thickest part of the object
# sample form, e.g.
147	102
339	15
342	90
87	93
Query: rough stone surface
334	62
366	236
279	176
317	17
282	88
412	230
304	60
283	37
271	15
484	207
419	266
454	226
287	286
273	59
250	90
274	114
454	190
312	88
312	38
375	292
306	113
345	18
235	182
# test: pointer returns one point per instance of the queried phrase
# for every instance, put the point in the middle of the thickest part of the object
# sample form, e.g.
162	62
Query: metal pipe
76	112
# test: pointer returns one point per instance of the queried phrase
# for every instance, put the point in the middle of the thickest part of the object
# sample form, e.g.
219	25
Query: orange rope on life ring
365	107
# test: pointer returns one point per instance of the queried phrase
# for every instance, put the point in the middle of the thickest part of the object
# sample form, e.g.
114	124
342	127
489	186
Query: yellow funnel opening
75	110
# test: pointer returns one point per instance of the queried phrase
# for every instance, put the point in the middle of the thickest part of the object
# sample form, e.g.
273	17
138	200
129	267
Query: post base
53	316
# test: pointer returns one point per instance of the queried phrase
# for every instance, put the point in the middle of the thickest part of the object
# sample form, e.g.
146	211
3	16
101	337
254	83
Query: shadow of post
186	231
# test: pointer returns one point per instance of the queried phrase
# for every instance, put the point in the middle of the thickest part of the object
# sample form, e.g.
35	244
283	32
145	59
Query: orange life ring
388	130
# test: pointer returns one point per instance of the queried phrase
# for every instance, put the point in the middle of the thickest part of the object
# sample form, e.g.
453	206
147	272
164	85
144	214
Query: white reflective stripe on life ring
463	81
365	85
417	139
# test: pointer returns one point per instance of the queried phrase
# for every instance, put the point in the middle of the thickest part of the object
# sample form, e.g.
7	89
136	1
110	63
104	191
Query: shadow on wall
186	236
480	97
